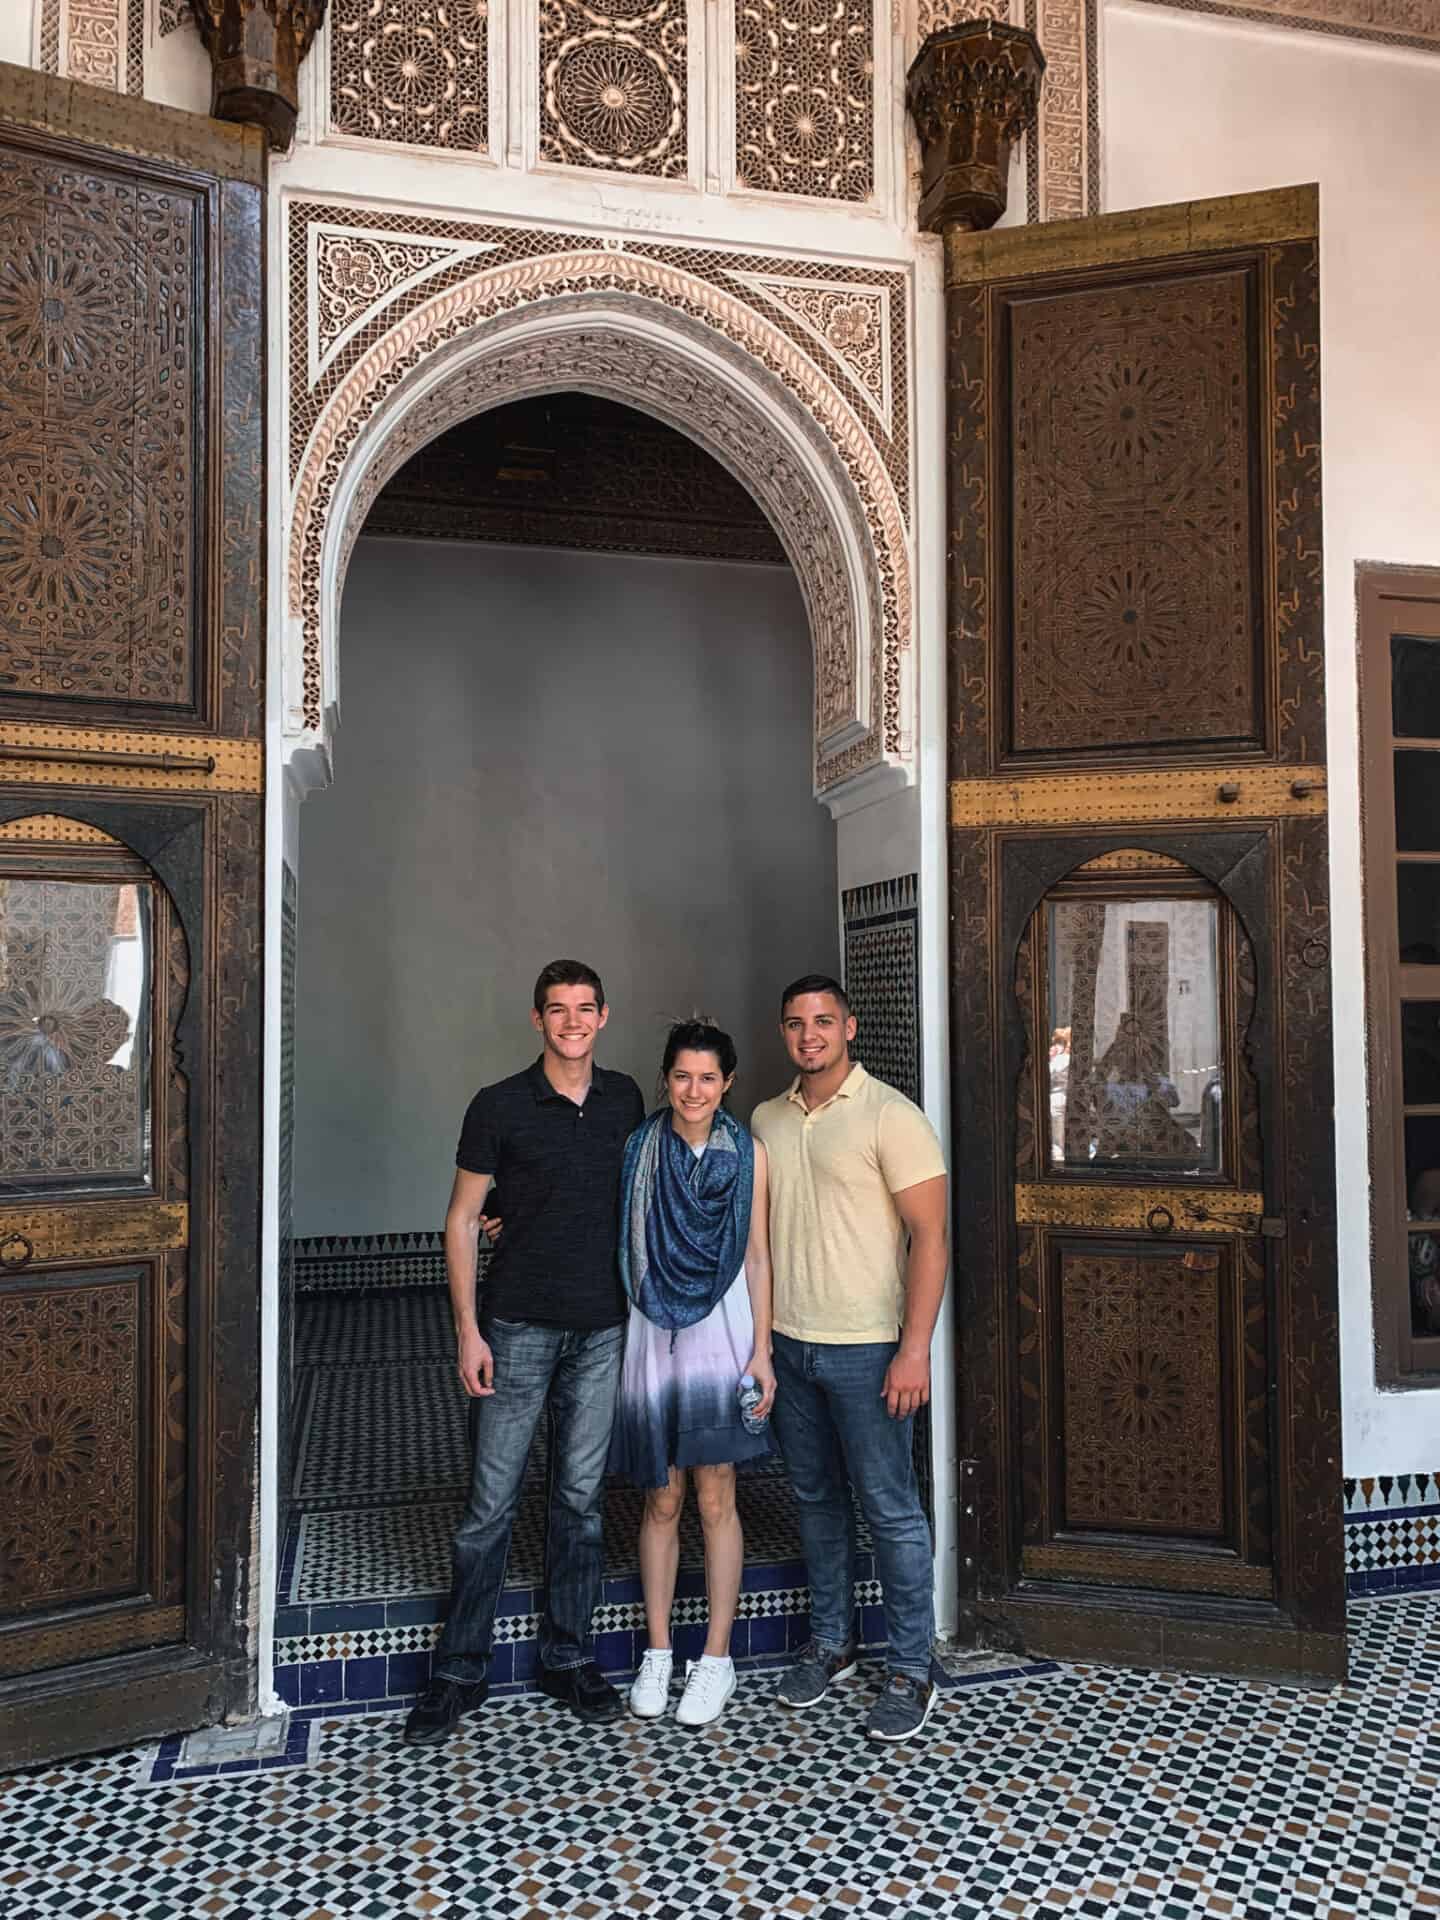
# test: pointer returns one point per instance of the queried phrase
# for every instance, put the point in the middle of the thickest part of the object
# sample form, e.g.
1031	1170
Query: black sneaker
439	1707
585	1690
905	1704
805	1683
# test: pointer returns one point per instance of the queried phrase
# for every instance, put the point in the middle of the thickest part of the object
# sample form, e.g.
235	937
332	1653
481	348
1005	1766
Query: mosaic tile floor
1072	1791
375	1553
381	1459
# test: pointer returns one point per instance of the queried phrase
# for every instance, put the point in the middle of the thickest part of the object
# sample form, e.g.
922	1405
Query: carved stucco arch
501	337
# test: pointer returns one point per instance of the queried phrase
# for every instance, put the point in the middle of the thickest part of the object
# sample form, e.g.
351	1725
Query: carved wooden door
1145	1217
130	862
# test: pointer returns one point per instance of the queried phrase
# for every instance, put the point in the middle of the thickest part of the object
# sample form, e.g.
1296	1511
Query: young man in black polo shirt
548	1338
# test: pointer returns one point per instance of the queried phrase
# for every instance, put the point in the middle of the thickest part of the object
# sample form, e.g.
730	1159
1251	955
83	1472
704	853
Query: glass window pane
1422	1191
1420	1052
1417	801
1415	687
1417	897
1134	1052
74	1034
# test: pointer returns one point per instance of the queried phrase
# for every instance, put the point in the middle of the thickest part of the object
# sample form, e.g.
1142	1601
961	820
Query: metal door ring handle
23	1258
1160	1220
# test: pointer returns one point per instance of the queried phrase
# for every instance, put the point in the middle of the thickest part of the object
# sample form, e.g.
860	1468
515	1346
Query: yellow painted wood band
1147	233
1075	1203
1176	794
89	1230
128	759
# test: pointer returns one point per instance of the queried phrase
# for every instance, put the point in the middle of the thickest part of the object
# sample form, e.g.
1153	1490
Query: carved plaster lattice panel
357	273
171	16
1062	164
934	16
704	407
804	97
411	73
613	87
692	286
100	42
750	278
850	325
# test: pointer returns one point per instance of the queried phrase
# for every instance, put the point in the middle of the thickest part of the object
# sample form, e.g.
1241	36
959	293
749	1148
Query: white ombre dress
679	1405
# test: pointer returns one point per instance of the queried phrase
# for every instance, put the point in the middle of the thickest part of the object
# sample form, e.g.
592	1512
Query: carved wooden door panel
1145	1229
94	1231
131	716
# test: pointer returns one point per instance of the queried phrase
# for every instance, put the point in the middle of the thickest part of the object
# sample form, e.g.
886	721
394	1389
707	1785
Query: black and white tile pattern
882	978
1067	1790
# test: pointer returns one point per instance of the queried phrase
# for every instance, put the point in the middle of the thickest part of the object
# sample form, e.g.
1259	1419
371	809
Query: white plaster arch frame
501	336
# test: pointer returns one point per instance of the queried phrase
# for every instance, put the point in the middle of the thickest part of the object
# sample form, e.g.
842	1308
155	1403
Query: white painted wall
544	754
1194	106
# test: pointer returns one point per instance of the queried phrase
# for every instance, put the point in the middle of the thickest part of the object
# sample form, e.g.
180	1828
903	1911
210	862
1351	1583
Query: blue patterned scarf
684	1218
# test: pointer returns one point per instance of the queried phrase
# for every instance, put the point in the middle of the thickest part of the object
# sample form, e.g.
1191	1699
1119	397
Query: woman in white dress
695	1258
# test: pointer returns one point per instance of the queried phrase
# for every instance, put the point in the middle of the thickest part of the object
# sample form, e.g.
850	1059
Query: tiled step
373	1650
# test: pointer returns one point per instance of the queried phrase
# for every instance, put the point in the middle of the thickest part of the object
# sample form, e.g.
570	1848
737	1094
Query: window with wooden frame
1400	807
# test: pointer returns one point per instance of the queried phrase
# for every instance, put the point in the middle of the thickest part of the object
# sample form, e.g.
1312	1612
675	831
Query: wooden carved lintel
973	91
255	49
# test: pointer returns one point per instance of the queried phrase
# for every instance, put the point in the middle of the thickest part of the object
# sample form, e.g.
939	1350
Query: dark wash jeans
572	1378
835	1433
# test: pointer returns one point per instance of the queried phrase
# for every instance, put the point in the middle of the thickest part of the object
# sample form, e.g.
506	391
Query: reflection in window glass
1415	687
74	1041
1422	1202
1135	1038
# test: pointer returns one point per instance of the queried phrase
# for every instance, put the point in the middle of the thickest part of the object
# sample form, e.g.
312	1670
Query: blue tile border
349	1700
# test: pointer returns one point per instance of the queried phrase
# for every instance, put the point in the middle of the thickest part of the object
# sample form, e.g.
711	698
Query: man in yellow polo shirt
855	1172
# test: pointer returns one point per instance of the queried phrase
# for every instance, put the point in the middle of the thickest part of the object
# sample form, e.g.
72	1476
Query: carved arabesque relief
414	73
613	86
70	1416
804	97
624	367
400	317
1141	1340
1126	583
98	438
99	42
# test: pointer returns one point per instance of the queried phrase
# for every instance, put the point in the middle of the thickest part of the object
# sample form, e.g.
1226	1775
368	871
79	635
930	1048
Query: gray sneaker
905	1704
805	1683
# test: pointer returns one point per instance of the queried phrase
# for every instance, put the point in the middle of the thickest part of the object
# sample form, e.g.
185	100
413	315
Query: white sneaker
650	1691
709	1683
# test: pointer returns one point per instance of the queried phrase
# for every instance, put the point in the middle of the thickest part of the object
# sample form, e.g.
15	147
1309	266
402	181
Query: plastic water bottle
750	1397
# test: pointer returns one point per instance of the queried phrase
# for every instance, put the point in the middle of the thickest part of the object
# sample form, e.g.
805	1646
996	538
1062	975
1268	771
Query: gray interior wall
543	754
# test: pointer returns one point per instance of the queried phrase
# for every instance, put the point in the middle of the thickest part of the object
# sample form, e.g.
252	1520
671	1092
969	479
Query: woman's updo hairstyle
699	1036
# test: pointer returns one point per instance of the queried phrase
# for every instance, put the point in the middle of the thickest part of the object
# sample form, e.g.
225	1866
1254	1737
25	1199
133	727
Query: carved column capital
973	90
255	49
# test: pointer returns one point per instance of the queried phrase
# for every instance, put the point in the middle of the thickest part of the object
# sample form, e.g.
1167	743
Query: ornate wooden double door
131	715
1140	1013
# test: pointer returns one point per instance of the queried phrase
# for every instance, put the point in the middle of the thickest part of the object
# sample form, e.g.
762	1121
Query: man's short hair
814	983
566	973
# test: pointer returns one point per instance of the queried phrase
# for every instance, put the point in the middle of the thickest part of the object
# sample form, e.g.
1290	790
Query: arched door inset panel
1142	1298
94	1261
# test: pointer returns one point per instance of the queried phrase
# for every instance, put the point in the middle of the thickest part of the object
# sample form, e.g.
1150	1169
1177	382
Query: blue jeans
572	1378
835	1433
